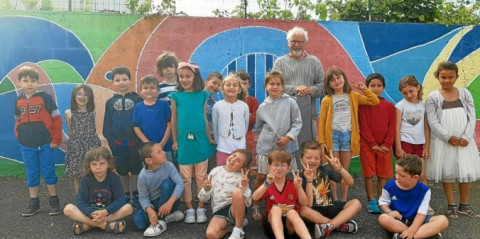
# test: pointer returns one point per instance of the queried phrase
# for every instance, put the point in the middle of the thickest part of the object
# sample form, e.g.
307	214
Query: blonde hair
243	93
279	155
410	80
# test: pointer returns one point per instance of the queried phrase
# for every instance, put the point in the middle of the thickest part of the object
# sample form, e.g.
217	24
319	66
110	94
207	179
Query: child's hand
207	185
359	85
165	209
174	146
283	141
376	148
335	162
152	216
245	180
395	214
454	141
297	180
324	148
425	153
384	149
399	152
270	177
463	142
408	234
53	146
307	172
99	216
211	141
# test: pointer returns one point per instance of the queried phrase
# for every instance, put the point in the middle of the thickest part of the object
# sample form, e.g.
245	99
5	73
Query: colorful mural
73	48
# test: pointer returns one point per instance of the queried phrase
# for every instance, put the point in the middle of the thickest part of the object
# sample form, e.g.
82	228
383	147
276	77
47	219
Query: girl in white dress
454	155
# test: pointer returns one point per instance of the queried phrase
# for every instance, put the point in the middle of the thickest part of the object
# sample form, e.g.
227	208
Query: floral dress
83	137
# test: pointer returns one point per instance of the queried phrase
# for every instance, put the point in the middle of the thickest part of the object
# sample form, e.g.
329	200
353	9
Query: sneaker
201	217
190	215
54	203
174	217
33	207
230	226
153	231
237	234
322	231
396	236
373	206
350	227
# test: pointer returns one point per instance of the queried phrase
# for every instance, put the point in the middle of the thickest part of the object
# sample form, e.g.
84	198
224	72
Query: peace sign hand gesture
270	177
307	172
245	179
334	162
297	180
207	185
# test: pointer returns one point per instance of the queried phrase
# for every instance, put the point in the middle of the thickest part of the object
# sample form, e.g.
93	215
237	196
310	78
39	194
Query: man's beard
297	53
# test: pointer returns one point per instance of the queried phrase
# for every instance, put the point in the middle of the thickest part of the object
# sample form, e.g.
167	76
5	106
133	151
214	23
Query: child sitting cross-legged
321	210
159	188
283	197
405	201
227	186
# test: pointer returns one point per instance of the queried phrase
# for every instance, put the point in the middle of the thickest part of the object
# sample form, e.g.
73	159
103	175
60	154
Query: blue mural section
468	44
40	40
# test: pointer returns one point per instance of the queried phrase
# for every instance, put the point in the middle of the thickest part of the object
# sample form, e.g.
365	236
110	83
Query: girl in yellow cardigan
338	128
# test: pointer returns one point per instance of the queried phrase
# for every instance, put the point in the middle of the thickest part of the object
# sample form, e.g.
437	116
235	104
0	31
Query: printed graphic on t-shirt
100	198
321	192
413	117
129	104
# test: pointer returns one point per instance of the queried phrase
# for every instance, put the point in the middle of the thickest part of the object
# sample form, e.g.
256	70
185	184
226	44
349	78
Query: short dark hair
28	71
314	145
279	155
145	151
446	65
374	76
214	74
335	71
166	59
411	164
243	75
120	70
272	74
149	79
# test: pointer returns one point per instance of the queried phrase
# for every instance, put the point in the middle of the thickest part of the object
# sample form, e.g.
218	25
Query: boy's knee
384	218
442	221
211	233
355	204
167	185
127	209
68	210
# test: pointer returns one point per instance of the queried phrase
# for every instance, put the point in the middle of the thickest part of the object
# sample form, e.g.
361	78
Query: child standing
159	188
338	128
412	133
100	201
38	128
230	119
320	208
191	134
377	134
80	120
283	198
454	155
213	84
117	129
227	185
151	117
278	124
404	202
252	103
166	65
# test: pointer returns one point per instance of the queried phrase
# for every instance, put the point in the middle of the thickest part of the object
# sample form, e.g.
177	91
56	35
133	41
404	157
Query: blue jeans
141	217
36	160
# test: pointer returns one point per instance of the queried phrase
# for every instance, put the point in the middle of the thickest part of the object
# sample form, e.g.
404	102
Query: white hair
297	31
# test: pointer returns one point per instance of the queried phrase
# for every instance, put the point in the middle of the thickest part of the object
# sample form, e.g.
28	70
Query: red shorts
375	163
415	149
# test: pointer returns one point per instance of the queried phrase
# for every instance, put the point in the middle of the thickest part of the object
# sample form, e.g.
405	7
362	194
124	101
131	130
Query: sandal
452	212
116	228
466	209
257	216
78	228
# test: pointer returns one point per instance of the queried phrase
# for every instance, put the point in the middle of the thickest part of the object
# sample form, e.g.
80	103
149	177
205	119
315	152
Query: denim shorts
341	141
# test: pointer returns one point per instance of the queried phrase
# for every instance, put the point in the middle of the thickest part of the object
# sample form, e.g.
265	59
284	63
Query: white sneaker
201	217
174	217
190	215
153	231
237	234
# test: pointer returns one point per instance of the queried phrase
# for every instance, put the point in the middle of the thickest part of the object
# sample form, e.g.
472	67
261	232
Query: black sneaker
54	203
33	207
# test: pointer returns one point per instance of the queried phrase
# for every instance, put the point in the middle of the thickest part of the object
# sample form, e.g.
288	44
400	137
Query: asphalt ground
14	200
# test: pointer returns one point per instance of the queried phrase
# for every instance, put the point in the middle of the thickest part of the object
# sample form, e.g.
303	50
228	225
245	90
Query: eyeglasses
278	165
297	42
81	96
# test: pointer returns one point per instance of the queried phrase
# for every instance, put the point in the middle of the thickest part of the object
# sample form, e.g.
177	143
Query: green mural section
474	88
61	72
6	85
96	31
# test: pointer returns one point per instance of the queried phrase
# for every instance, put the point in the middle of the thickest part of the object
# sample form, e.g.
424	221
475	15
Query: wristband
266	184
311	181
389	211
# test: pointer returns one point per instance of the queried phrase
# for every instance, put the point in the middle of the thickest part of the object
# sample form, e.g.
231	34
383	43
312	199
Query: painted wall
73	48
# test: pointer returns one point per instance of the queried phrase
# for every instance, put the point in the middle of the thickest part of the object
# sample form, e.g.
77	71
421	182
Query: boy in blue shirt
151	118
117	129
159	187
405	201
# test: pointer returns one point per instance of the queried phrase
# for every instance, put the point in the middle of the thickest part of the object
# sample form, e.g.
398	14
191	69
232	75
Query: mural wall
74	48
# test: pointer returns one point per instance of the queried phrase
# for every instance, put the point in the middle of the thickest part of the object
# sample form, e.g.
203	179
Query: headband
187	64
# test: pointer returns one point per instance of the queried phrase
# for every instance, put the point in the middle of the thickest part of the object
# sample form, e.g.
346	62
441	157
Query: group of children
161	139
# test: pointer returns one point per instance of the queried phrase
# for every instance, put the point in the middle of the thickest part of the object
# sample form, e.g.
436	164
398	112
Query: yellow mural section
467	70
